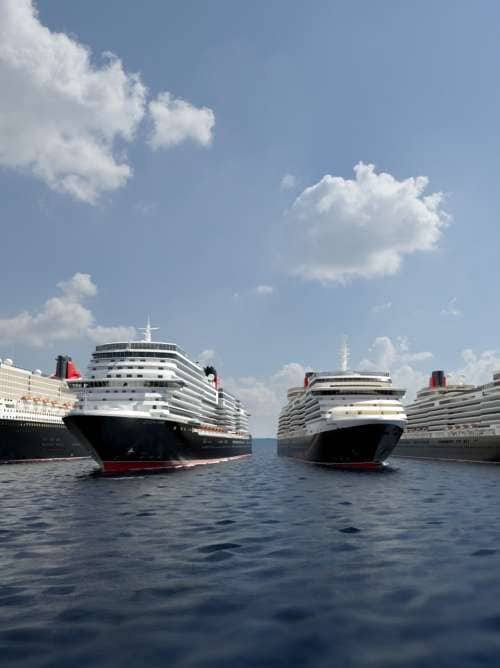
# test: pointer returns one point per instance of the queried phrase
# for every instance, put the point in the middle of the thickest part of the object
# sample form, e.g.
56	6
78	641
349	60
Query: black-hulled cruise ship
453	422
348	419
146	405
32	407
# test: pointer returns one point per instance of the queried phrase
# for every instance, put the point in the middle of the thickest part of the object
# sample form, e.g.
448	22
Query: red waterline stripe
124	467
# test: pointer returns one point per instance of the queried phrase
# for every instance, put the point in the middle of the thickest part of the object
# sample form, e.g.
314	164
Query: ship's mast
344	353
147	331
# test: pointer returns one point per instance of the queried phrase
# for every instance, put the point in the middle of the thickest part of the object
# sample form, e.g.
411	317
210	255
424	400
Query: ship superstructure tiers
342	418
454	421
147	405
32	407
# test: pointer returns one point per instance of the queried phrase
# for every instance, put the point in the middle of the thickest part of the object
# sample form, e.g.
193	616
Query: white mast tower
147	331
344	353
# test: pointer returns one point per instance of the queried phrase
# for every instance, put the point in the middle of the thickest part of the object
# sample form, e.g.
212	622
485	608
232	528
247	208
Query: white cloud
477	368
63	317
451	308
78	286
264	397
342	229
264	290
387	355
175	120
394	356
66	119
61	116
206	356
259	291
288	182
380	308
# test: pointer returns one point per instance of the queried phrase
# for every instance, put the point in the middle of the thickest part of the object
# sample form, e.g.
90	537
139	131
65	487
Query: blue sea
261	562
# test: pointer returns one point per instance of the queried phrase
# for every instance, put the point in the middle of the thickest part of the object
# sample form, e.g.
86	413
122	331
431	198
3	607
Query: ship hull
365	446
129	444
26	441
463	449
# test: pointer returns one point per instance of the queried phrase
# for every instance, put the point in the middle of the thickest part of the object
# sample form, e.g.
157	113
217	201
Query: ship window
118	375
140	367
125	384
129	375
139	375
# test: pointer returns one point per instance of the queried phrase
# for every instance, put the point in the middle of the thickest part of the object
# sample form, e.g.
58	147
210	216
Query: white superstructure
450	410
156	380
341	399
31	397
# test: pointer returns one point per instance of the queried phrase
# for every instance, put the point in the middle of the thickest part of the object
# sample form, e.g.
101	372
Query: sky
260	178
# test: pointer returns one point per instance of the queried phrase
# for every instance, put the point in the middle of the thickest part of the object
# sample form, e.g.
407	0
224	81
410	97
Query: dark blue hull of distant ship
25	441
366	446
472	448
129	444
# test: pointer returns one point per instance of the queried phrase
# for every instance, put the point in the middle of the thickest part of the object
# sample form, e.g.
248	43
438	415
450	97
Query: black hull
23	441
366	446
463	449
125	444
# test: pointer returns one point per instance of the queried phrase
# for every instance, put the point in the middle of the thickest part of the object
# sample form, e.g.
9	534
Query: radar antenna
147	331
344	353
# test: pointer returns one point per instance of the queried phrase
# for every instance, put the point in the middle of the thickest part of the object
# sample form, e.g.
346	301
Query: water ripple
264	562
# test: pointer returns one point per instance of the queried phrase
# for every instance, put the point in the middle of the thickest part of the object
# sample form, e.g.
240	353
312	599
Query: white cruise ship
147	405
32	407
342	418
454	421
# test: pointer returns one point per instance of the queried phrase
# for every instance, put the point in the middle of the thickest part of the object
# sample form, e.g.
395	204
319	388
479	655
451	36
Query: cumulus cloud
63	317
61	116
175	120
412	370
380	308
342	229
66	119
477	368
452	308
395	356
288	182
264	397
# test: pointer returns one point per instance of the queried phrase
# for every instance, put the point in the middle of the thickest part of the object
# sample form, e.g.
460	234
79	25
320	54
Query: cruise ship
454	421
347	419
146	405
32	407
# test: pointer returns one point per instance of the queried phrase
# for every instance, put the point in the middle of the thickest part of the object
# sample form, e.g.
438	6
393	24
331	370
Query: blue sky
201	220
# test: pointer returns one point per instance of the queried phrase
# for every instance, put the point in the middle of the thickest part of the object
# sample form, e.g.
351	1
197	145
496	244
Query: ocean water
261	562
